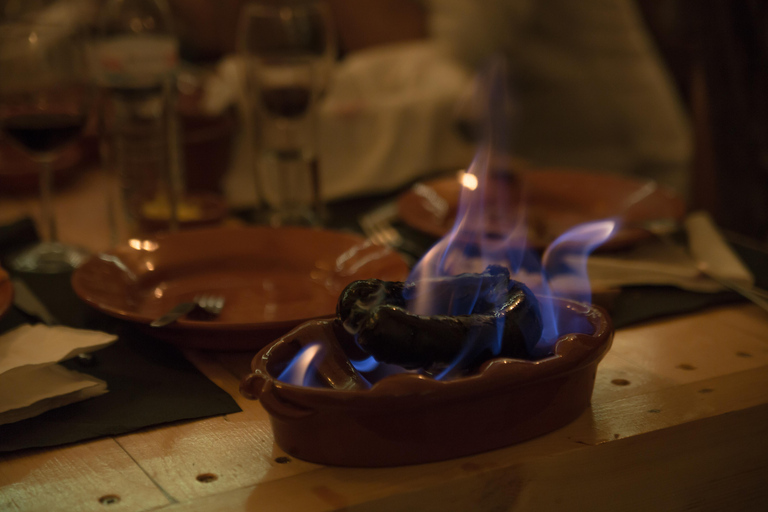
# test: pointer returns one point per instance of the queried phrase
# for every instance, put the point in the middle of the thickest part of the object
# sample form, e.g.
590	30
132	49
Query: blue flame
365	365
564	270
301	371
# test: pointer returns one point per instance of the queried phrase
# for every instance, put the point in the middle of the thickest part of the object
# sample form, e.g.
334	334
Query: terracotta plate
272	280
557	200
6	292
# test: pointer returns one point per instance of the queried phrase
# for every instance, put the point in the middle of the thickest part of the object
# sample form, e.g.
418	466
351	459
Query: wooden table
679	421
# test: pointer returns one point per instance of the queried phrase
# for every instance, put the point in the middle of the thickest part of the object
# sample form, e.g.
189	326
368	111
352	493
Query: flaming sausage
504	320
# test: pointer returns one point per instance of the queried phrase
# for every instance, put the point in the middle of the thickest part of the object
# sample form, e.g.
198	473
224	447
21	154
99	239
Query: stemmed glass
289	49
45	98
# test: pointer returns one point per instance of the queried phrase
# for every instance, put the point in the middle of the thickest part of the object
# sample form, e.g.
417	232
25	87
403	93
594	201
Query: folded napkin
27	394
687	263
712	253
31	381
652	263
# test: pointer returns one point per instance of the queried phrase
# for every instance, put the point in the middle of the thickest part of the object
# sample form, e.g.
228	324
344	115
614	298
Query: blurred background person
590	87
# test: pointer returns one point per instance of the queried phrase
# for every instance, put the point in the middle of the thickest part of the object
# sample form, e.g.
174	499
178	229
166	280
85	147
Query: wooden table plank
696	347
653	356
202	458
673	406
80	477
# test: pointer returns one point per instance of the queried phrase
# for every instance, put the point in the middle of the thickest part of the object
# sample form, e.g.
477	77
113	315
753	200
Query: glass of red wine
45	99
289	50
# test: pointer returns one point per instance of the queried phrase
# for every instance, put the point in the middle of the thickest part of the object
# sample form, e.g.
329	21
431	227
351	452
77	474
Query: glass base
306	217
294	218
49	258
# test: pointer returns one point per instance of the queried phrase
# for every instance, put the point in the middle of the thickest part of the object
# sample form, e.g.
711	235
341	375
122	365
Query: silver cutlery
377	227
209	303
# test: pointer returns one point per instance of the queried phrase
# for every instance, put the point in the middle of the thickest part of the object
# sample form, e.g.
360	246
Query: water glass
287	50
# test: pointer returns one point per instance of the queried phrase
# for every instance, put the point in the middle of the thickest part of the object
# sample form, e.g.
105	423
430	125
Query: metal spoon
211	304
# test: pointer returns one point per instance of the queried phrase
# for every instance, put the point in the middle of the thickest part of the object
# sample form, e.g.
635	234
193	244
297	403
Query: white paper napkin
710	250
652	263
31	381
662	261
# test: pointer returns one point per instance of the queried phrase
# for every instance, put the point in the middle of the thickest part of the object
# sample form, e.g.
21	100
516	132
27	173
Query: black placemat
636	304
150	382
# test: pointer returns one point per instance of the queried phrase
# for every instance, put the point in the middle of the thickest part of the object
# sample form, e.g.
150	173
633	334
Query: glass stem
47	216
176	183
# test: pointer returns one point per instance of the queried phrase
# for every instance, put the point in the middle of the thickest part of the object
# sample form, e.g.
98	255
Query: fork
377	227
209	303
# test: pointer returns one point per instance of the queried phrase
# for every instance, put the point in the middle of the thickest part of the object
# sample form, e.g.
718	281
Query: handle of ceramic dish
257	387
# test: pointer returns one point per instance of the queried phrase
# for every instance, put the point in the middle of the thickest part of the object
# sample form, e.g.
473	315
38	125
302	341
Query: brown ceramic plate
6	292
272	280
557	200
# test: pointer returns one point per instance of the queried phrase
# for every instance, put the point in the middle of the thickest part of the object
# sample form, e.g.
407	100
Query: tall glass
45	99
289	49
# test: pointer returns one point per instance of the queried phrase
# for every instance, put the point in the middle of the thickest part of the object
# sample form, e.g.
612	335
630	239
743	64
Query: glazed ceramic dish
271	278
6	292
408	418
557	199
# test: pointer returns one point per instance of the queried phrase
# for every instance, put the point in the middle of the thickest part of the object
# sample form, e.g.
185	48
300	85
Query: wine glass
45	98
289	50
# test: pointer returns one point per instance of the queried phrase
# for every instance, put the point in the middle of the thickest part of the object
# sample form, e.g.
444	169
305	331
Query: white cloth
390	118
592	90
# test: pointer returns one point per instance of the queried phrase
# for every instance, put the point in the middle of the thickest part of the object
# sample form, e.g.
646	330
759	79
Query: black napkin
150	382
636	304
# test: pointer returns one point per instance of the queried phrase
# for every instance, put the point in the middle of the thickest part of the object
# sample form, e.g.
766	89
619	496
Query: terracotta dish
272	280
557	199
408	418
6	292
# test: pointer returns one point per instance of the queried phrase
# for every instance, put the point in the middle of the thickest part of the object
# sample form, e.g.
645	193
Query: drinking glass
45	98
289	49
